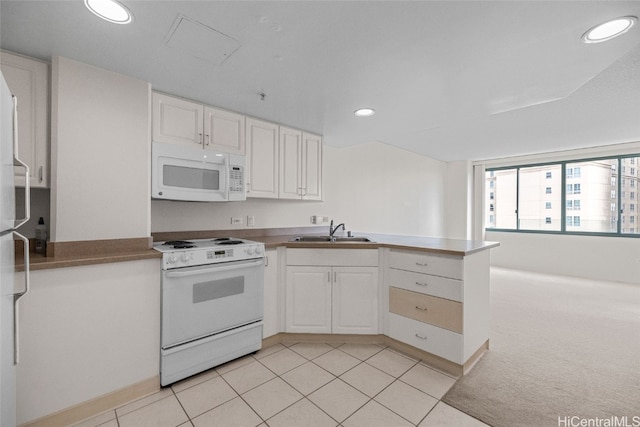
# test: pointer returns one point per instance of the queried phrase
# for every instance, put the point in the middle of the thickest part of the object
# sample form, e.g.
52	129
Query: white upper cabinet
290	165
300	165
179	121
28	80
281	162
311	166
262	159
223	131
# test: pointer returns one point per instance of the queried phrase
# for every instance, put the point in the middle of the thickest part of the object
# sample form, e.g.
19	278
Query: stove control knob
249	250
185	257
173	259
258	250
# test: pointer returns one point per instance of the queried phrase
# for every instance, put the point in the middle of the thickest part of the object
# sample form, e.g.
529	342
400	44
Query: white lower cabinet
427	337
322	297
271	319
439	303
308	299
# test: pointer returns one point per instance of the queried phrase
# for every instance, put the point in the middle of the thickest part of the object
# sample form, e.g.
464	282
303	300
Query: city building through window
584	196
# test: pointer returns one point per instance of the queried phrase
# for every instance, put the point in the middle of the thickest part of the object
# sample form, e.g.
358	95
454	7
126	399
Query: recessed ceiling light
364	112
610	29
110	10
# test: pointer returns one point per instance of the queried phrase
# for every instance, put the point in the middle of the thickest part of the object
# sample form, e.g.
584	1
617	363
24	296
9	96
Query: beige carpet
560	348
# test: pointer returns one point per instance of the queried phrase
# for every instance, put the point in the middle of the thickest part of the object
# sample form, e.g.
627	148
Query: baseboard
430	359
475	357
97	405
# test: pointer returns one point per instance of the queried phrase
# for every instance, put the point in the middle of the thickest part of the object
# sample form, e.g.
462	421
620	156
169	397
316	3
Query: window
585	199
535	191
502	197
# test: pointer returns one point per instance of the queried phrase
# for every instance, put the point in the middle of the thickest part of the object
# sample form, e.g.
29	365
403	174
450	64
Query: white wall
86	331
459	200
371	187
100	153
607	258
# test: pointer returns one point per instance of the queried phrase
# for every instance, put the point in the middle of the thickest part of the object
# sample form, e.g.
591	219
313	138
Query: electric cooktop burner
180	244
228	242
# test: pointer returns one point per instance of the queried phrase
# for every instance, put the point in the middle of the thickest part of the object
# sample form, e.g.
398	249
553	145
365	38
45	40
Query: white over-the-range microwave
194	174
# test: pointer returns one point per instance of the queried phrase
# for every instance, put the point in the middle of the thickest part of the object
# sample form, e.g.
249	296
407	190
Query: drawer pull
422	264
422	284
421	308
422	337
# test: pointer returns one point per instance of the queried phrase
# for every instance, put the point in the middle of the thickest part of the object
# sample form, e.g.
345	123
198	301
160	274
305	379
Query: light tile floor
301	385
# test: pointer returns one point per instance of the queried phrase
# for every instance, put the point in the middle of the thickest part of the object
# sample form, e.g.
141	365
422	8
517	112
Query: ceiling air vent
201	41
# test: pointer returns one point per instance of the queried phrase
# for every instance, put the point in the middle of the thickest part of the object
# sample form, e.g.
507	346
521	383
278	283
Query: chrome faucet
333	230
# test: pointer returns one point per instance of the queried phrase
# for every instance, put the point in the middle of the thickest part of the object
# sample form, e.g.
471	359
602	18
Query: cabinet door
290	163
28	80
308	300
177	121
271	295
355	300
262	158
311	167
223	131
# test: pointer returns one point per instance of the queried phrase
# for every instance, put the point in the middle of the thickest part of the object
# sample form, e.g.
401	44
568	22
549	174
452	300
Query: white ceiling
452	80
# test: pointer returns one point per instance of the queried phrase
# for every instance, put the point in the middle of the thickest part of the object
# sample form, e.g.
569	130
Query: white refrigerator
10	290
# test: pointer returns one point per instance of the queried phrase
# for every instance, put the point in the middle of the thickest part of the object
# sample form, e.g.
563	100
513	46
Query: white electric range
211	303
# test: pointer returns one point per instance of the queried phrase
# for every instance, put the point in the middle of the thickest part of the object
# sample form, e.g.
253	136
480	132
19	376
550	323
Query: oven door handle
214	268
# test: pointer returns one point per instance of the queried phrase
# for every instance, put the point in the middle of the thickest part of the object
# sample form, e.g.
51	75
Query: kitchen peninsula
427	297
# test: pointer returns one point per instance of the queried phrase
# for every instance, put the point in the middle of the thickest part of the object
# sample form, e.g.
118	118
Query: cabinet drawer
438	265
429	338
438	286
425	308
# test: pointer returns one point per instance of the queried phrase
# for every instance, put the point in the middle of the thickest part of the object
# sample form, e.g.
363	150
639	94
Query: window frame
617	167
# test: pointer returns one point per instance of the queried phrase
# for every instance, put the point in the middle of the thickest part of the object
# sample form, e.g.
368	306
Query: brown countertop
73	254
40	262
413	243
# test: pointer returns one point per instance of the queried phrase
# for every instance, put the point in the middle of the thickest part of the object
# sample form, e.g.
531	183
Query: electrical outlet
318	219
236	221
251	221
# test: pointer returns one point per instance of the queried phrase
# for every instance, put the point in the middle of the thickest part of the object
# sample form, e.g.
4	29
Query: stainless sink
329	239
352	239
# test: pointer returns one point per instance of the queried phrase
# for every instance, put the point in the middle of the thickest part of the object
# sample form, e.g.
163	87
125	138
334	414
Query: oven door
205	300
